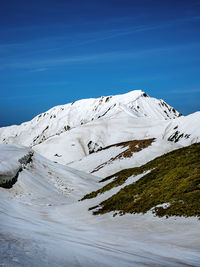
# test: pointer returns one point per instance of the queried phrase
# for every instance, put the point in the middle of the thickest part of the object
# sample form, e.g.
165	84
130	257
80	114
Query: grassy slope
174	179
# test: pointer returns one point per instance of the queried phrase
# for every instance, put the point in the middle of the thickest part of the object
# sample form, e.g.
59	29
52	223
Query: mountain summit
63	118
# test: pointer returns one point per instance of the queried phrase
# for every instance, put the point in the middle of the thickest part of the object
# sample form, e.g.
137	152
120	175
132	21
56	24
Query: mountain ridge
65	117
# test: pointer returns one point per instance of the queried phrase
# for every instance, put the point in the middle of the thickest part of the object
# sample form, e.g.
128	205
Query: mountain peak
60	119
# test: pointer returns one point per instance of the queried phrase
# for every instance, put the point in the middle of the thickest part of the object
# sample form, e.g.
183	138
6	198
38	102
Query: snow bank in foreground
44	224
12	159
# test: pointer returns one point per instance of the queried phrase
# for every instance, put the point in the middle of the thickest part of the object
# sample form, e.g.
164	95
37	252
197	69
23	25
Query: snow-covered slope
39	174
44	224
85	139
184	130
66	117
80	141
170	135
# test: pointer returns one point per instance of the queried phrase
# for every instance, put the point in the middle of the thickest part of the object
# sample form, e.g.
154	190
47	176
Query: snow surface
188	128
44	224
73	145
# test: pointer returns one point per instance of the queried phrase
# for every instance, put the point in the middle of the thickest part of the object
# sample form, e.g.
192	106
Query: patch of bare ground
132	147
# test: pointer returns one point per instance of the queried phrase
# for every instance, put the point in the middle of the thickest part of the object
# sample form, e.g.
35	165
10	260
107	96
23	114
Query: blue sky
58	51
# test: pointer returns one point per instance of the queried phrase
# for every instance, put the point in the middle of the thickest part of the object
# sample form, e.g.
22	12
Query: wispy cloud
79	38
113	33
40	84
186	91
39	70
25	57
51	62
13	97
38	65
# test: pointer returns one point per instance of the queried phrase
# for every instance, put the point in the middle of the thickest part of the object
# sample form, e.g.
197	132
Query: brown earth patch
132	147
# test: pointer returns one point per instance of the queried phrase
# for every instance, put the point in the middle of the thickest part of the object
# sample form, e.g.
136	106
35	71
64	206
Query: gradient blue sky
57	51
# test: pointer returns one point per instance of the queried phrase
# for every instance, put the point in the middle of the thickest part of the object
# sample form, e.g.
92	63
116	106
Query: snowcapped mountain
69	133
67	117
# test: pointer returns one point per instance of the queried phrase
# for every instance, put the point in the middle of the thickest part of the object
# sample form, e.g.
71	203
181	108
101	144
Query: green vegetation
174	179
